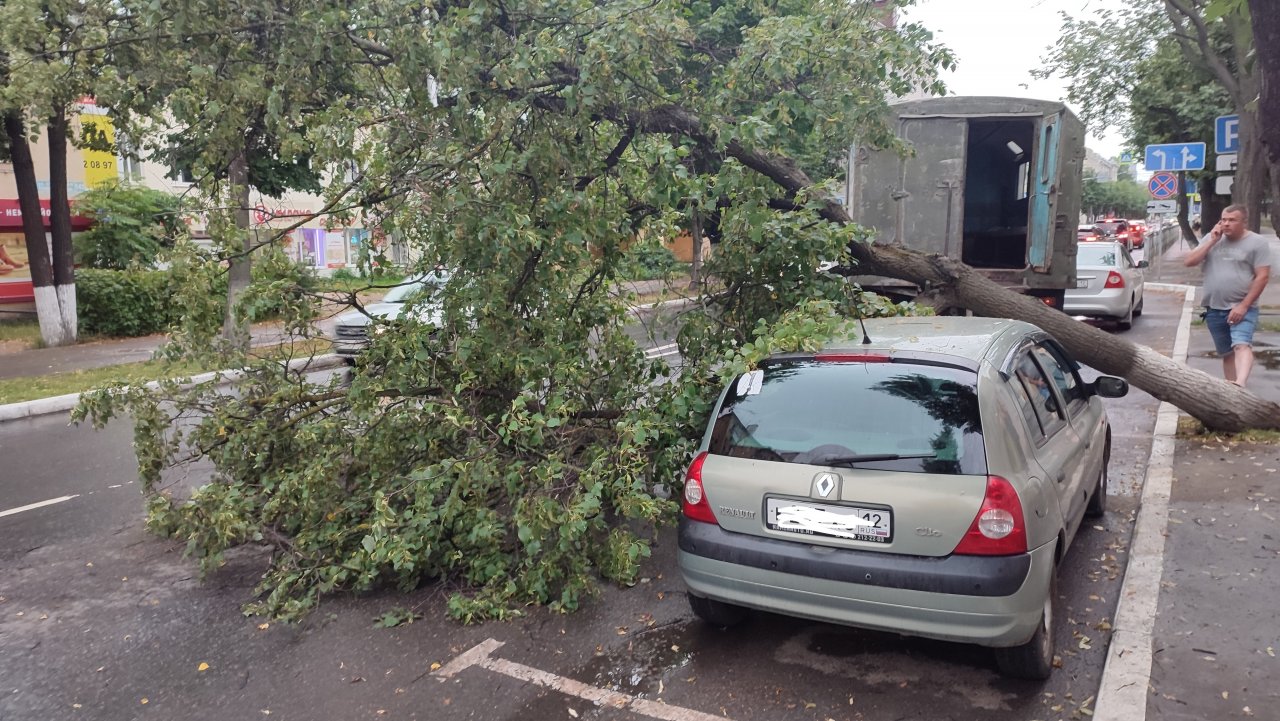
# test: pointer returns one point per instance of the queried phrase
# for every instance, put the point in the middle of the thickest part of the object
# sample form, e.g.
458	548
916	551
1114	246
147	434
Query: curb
1122	693
62	404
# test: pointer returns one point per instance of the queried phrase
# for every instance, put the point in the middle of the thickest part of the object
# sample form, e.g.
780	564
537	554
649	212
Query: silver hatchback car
927	483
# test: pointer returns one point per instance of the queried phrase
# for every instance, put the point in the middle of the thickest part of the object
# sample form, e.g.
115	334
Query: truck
993	182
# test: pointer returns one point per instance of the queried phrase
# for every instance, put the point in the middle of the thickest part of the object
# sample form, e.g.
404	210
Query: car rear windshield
1106	254
886	416
1111	227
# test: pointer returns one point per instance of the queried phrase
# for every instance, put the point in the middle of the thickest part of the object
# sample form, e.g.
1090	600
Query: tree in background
51	53
1120	199
131	225
243	95
1106	59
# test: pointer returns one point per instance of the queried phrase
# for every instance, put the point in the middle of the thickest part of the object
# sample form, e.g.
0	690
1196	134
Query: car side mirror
1143	264
1111	387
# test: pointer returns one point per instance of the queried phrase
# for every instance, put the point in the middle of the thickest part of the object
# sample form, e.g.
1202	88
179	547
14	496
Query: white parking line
661	351
481	656
33	506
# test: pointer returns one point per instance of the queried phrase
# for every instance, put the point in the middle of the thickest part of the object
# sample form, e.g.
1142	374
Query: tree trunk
1250	185
695	267
235	330
24	175
64	280
1266	43
1216	403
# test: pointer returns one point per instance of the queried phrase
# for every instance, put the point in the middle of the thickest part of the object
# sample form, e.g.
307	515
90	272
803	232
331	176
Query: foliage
512	450
131	225
124	302
1122	198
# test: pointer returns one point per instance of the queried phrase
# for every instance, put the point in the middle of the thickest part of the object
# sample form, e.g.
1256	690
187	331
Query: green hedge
124	302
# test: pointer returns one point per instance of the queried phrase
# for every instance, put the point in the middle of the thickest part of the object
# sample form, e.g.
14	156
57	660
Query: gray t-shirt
1229	267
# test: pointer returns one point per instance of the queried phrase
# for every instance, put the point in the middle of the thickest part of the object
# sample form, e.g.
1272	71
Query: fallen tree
510	447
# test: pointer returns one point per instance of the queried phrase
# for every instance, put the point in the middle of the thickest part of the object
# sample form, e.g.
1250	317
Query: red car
1138	233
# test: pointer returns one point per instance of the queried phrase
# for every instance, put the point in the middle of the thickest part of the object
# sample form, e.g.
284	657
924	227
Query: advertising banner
99	165
335	249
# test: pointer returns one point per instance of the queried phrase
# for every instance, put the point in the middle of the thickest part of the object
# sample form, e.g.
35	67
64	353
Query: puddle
644	662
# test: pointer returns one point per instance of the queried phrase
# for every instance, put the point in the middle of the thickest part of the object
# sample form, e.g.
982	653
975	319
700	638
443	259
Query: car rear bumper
991	601
1104	304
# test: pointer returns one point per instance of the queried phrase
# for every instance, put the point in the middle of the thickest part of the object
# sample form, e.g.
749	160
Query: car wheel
1126	322
1098	504
1033	659
1137	311
717	613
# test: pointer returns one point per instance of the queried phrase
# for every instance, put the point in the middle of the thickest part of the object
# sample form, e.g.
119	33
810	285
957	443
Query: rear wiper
869	458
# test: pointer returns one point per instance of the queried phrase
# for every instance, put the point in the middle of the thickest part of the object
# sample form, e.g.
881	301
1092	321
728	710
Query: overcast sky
998	43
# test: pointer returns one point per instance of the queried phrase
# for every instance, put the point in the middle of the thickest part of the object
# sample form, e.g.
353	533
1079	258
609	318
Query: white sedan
1108	284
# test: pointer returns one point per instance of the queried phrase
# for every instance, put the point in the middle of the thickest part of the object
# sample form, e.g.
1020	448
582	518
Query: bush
131	225
124	302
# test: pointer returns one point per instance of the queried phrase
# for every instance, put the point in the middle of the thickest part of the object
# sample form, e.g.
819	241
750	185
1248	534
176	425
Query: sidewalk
117	351
1214	637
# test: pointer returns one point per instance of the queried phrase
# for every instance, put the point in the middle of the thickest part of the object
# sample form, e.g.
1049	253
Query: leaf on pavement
203	666
573	713
1084	642
435	666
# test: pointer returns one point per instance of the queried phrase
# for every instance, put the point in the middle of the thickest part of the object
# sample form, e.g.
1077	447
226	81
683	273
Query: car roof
960	340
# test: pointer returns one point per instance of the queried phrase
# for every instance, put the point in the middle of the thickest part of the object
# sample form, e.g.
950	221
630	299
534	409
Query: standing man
1237	265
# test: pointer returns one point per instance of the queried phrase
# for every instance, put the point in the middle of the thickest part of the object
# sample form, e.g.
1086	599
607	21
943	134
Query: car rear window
1098	255
886	416
1111	227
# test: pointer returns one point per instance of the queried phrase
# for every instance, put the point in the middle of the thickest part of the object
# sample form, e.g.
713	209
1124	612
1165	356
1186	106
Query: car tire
1034	659
1098	503
1126	322
717	613
1137	311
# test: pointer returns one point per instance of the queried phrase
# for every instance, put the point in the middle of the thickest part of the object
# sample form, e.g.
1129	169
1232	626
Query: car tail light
998	529
851	357
1115	280
695	505
1049	300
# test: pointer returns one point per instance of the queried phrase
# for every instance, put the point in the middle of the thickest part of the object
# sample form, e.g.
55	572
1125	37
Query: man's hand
1236	314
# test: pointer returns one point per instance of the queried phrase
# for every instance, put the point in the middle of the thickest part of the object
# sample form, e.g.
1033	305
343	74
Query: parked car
1114	229
352	329
1138	233
1086	232
1108	284
927	483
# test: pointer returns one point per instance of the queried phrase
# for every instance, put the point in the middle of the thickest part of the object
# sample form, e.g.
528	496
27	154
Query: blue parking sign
1226	134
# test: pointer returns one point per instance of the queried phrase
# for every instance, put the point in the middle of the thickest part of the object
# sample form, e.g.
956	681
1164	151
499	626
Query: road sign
1126	157
1163	185
1191	187
1226	163
1222	184
1161	207
1175	156
1226	134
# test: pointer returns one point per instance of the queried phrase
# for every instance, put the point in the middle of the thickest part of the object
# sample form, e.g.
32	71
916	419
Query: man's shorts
1227	336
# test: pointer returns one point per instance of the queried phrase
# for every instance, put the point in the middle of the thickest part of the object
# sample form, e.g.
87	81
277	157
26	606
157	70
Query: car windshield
1106	255
885	416
407	291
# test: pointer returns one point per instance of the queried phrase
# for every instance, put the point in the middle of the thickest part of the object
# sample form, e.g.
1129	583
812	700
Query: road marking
661	351
34	506
481	655
1122	694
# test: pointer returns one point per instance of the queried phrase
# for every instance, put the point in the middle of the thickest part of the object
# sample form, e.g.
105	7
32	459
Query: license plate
856	523
1082	284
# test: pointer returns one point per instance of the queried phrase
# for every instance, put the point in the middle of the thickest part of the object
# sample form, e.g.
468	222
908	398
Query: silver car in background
1108	284
351	334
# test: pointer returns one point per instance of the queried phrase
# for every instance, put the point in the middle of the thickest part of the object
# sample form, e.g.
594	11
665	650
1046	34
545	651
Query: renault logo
824	483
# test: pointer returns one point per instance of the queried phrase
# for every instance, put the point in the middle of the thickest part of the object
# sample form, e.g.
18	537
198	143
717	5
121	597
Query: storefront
15	267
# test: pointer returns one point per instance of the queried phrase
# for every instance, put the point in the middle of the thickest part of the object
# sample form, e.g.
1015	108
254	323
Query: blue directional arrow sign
1175	156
